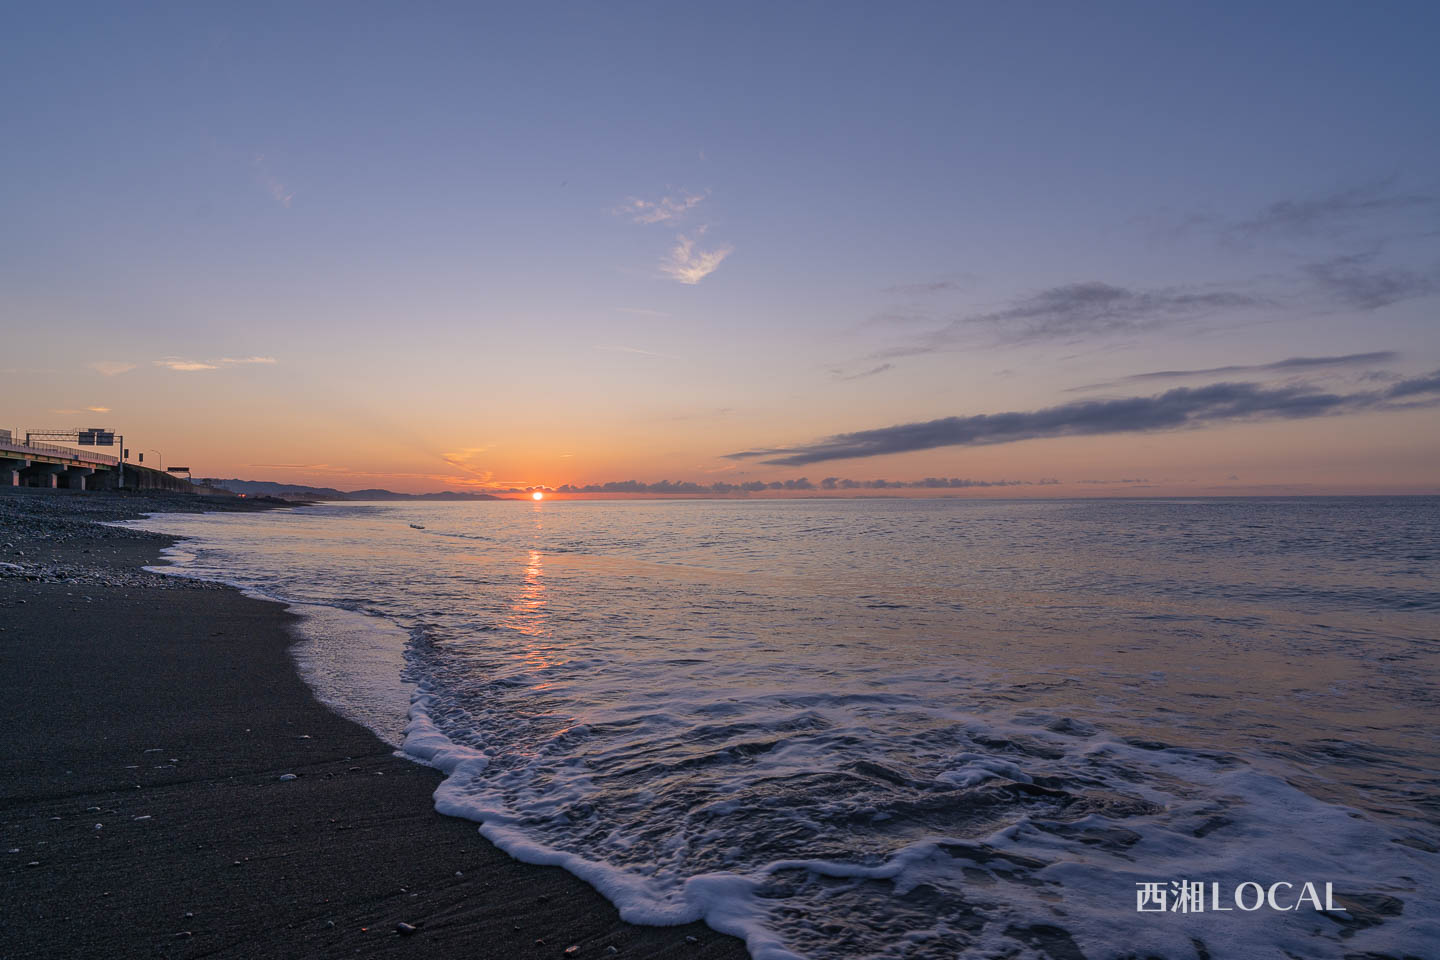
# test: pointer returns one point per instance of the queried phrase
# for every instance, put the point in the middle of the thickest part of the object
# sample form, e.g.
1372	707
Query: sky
1025	249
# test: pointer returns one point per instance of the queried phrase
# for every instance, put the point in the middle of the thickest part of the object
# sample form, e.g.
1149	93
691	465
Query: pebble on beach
406	929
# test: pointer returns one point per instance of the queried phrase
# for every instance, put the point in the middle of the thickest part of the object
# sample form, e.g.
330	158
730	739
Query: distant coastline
290	491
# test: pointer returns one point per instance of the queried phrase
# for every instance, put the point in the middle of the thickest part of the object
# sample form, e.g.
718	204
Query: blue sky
470	226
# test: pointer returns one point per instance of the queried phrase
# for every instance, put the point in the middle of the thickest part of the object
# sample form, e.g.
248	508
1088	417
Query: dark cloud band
1174	409
1290	365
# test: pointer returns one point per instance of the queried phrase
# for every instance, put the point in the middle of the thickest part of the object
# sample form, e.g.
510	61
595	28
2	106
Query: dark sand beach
149	722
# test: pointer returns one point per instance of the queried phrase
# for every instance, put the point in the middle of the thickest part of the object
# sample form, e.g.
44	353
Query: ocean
905	728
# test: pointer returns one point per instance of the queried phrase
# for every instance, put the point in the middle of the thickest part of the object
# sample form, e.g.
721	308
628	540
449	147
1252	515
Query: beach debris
92	809
329	924
406	929
287	776
143	817
540	943
692	939
189	915
33	863
99	826
612	949
571	950
184	933
14	849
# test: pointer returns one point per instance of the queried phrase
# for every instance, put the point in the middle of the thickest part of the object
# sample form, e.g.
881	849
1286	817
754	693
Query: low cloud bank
691	488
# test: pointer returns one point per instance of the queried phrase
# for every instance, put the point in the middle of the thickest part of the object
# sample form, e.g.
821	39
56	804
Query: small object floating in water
572	950
417	526
406	929
287	776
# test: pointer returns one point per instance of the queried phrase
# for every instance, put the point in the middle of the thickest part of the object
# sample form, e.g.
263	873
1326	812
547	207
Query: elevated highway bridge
36	463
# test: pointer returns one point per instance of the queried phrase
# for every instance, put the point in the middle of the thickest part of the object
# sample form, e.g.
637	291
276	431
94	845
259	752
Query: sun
537	495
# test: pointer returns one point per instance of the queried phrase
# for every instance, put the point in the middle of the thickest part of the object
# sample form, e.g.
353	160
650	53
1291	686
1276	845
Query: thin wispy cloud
925	289
283	195
1175	409
636	351
664	210
110	368
83	410
861	375
1332	212
184	366
1076	311
689	264
1290	365
464	460
1357	281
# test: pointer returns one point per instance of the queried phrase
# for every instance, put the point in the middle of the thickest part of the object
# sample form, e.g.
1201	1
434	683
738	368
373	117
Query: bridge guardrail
54	450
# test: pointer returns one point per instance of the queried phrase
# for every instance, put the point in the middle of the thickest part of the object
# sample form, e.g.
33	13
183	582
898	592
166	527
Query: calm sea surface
904	728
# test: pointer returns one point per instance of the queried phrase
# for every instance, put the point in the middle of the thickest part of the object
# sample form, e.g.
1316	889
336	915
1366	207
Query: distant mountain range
295	491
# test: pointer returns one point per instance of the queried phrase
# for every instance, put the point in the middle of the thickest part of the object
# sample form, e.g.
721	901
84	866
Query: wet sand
148	724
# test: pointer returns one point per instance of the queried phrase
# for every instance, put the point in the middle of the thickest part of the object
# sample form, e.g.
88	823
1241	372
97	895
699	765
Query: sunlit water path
909	728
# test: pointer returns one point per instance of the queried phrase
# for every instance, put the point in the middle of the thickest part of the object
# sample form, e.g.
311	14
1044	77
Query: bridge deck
53	453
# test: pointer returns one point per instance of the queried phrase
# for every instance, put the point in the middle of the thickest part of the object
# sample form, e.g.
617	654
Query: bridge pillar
75	477
42	475
10	468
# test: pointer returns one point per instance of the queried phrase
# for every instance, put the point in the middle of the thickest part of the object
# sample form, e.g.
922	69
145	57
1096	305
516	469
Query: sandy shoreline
166	712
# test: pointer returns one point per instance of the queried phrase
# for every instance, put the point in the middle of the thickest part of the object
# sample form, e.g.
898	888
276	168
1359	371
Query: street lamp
158	454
